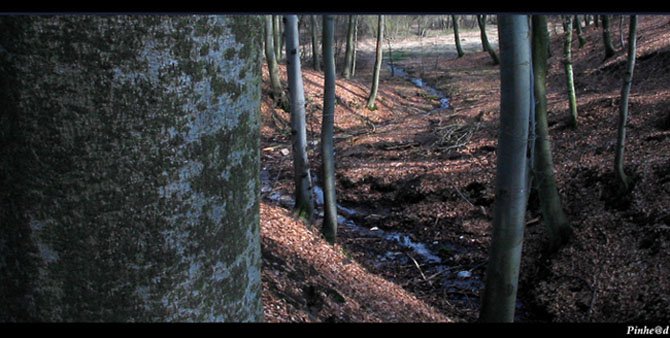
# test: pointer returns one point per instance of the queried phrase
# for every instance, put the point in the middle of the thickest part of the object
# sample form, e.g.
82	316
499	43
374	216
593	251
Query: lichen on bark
131	149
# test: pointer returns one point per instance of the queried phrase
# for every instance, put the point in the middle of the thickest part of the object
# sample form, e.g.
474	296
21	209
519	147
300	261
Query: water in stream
419	82
458	283
455	280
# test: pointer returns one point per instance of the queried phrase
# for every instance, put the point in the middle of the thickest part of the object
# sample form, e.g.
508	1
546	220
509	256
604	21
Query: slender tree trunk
128	195
278	95
511	176
567	53
328	122
315	45
578	26
457	39
621	38
378	63
624	180
482	32
349	53
485	41
277	35
607	40
304	199
353	63
550	202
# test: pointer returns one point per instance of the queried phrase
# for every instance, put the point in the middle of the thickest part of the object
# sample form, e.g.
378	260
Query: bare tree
567	62
328	123
378	63
481	20
457	39
502	275
607	40
315	50
349	53
304	199
624	180
278	94
543	167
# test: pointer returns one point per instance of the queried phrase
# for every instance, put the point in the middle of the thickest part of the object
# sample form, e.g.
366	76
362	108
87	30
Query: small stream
419	82
457	281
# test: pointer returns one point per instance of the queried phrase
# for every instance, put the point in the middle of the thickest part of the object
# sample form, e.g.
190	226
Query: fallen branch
418	267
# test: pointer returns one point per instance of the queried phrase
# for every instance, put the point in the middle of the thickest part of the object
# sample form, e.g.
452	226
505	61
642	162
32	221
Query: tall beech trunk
502	274
316	63
567	62
277	35
607	40
580	36
378	63
481	20
278	94
353	62
553	216
624	180
128	193
304	199
328	123
349	52
457	39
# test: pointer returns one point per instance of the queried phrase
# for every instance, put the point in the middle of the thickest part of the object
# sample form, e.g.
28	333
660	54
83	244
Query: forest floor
415	184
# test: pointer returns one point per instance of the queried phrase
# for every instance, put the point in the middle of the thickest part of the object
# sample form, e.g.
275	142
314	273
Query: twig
465	198
418	267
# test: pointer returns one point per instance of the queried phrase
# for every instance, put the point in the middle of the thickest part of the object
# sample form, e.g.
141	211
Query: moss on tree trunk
130	156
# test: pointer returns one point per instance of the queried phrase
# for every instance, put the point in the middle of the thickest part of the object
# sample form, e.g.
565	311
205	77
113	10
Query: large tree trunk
129	148
457	39
378	63
607	40
304	199
328	124
511	176
550	202
624	180
481	19
278	95
567	61
349	53
315	48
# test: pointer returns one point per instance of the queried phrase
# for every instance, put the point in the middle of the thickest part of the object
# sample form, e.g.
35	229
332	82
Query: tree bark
315	49
353	62
624	180
511	176
349	53
378	63
328	123
457	39
485	40
607	40
276	32
580	37
553	216
130	181
278	94
567	53
304	199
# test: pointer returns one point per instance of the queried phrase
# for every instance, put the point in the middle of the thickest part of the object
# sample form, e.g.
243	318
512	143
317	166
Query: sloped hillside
426	174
